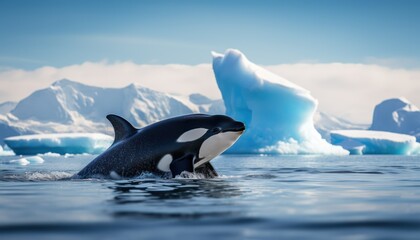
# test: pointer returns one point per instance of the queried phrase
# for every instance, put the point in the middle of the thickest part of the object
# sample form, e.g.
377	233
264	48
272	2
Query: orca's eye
216	130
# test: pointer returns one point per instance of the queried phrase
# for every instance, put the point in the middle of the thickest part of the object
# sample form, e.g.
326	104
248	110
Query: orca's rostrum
184	143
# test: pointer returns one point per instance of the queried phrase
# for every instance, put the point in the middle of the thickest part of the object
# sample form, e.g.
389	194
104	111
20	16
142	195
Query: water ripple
381	224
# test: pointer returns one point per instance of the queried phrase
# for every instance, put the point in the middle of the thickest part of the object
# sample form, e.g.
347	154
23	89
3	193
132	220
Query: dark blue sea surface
256	197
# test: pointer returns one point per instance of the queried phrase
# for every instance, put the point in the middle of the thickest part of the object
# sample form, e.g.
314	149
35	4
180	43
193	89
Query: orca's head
216	133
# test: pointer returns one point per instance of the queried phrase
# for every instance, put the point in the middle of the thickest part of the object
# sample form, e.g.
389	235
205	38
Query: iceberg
6	151
278	113
375	142
397	115
7	107
61	143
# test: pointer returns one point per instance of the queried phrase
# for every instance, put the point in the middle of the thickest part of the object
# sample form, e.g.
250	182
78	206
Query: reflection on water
173	198
259	197
172	189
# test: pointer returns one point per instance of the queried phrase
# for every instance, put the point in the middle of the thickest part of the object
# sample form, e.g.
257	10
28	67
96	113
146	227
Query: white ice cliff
397	115
375	142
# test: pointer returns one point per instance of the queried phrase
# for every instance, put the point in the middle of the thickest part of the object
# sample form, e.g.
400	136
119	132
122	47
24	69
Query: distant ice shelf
68	106
375	142
61	143
278	114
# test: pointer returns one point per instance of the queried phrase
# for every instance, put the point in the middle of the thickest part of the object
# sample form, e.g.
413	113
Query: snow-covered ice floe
375	142
278	114
27	160
62	143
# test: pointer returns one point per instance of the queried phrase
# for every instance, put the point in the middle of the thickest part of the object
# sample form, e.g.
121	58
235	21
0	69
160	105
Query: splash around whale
172	146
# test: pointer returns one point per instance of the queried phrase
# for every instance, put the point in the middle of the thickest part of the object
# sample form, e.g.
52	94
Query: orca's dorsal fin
122	128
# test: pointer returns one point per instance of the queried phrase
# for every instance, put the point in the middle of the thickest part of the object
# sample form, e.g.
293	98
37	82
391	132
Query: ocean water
256	197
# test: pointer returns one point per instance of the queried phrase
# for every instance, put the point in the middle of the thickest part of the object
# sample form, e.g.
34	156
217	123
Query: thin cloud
346	90
171	78
7	59
410	63
352	90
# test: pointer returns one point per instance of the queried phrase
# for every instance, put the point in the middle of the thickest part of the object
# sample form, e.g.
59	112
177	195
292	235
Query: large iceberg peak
236	60
278	113
232	56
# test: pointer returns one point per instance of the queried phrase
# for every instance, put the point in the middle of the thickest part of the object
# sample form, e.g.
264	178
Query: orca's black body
185	143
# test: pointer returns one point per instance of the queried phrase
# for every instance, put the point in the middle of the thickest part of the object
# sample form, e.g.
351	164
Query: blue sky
59	33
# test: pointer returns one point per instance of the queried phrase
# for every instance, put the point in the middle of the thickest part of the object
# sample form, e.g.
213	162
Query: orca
184	143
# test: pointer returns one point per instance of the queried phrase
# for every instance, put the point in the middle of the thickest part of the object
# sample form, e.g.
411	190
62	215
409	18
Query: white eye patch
164	163
192	135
